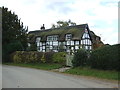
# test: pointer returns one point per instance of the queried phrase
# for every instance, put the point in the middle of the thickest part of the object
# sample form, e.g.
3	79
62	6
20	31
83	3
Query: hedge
106	58
80	58
59	57
38	57
32	57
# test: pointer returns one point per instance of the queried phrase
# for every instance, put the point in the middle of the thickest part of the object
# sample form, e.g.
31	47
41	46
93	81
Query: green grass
43	66
111	75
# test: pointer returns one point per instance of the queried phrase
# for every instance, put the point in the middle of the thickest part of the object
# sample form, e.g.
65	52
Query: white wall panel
72	42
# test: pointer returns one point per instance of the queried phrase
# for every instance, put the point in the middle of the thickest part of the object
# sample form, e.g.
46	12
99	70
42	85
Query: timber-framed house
70	38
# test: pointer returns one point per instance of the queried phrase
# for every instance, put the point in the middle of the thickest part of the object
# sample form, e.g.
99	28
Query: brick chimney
42	27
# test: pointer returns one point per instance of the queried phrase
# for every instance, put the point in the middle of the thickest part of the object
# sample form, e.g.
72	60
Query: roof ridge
58	28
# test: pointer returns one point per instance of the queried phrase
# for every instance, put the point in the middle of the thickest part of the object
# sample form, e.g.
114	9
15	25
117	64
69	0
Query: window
55	48
43	43
43	47
38	44
76	42
55	38
85	35
49	38
72	48
76	47
38	39
52	38
51	47
86	31
86	43
68	36
72	42
68	42
55	43
40	48
89	42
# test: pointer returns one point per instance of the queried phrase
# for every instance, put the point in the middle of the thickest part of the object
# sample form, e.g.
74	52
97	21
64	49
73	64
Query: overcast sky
101	15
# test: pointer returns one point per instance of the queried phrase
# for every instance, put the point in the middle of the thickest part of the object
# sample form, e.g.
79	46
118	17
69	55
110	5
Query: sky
100	15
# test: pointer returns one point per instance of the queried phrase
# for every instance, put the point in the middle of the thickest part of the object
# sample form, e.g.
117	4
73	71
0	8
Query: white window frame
68	36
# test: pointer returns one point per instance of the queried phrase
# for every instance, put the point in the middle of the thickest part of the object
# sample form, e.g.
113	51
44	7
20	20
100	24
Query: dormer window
52	38
49	38
38	39
86	35
68	36
86	31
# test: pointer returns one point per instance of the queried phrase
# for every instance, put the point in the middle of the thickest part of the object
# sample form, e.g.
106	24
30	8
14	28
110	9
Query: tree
80	58
14	34
63	24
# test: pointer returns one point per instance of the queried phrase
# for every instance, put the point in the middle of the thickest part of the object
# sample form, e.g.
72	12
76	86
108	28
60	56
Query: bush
80	58
32	47
31	57
26	57
59	57
10	48
48	57
106	58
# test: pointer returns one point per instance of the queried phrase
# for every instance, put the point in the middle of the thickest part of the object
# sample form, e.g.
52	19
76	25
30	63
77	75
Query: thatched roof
76	31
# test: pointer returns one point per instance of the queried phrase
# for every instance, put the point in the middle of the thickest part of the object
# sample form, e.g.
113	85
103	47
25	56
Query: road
20	77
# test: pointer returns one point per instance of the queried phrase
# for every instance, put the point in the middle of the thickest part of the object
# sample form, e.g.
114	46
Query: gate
69	59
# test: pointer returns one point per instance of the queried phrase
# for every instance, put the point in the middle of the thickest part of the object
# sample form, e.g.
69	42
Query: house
70	38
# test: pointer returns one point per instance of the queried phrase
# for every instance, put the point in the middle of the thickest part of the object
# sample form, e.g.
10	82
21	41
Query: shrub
106	58
43	58
80	58
32	57
32	47
26	57
17	57
48	56
59	57
10	48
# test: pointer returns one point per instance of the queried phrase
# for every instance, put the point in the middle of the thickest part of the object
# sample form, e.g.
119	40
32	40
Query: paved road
0	76
19	77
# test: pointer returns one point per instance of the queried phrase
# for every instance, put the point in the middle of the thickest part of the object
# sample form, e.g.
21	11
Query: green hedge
106	58
31	57
59	57
38	57
80	58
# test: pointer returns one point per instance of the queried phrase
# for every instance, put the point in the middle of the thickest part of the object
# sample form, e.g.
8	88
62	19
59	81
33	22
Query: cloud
101	15
60	7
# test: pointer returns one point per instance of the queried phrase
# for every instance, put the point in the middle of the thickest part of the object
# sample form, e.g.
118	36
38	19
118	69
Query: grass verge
111	75
44	66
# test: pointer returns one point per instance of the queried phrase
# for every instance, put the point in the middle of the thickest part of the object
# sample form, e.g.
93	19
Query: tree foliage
106	58
14	34
80	58
61	23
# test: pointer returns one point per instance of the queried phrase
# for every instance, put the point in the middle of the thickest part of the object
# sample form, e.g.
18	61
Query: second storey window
38	39
52	38
68	37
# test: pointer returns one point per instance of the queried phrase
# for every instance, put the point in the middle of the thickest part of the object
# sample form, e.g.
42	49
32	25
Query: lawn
44	66
104	74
